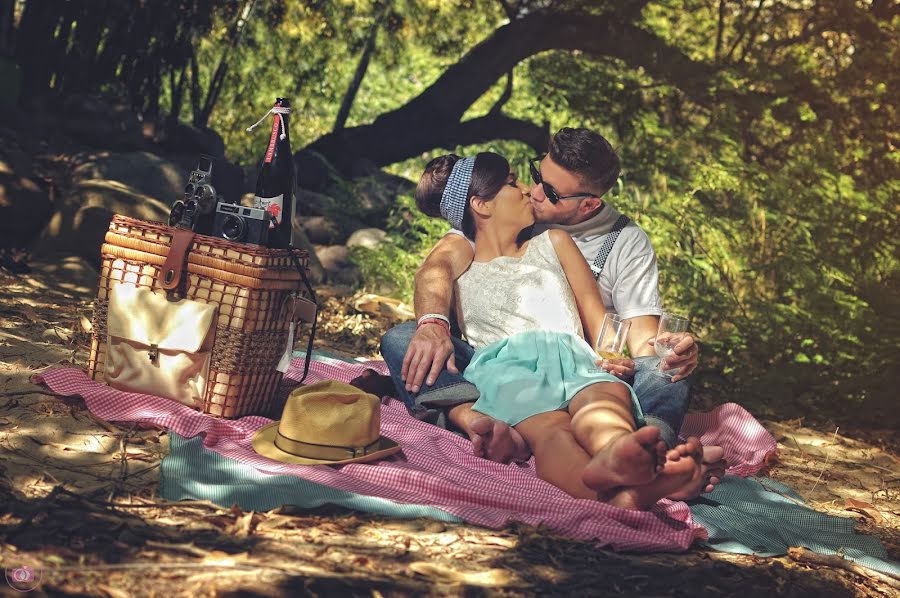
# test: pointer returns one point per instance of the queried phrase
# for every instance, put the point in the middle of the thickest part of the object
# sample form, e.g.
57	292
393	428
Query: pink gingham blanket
437	468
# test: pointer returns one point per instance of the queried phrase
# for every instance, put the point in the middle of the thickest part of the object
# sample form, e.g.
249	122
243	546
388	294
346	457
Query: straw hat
329	423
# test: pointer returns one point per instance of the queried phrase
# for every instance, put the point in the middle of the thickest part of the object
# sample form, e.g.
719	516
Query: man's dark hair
587	155
488	177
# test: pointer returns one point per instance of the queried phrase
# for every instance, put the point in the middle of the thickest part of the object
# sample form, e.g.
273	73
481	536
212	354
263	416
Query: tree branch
361	68
215	86
720	32
630	11
496	125
748	27
177	91
433	117
508	9
195	93
504	97
800	554
448	98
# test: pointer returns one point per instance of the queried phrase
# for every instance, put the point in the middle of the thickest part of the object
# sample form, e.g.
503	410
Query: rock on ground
370	238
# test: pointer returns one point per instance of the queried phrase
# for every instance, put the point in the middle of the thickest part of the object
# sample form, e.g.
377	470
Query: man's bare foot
497	441
631	459
682	467
712	470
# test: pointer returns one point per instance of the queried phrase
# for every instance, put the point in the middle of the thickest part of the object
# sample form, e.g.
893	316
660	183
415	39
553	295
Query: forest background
758	138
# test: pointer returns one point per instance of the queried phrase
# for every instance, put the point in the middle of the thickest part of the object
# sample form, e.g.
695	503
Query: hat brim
264	444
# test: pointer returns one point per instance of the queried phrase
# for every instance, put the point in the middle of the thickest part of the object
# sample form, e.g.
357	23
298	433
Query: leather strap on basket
170	274
282	242
315	316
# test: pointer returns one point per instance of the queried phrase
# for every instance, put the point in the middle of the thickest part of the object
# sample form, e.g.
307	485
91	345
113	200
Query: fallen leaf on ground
218	557
438	573
858	506
55	333
29	313
113	592
495	540
383	306
242	526
272	522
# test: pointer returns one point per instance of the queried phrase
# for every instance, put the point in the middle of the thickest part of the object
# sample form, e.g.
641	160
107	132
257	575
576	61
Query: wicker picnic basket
253	288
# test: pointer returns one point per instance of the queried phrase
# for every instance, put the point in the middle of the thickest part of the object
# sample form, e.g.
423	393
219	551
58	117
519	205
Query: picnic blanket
760	516
754	515
192	472
435	476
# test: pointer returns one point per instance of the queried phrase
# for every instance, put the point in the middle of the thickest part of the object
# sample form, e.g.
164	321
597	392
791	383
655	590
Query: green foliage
776	226
391	268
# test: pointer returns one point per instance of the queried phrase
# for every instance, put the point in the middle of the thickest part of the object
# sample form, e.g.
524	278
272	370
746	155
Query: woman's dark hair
488	177
587	155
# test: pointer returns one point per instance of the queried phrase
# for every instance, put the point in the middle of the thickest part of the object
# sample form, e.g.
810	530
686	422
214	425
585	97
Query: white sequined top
509	295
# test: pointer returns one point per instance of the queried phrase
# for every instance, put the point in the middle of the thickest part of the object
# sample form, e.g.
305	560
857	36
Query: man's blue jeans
664	403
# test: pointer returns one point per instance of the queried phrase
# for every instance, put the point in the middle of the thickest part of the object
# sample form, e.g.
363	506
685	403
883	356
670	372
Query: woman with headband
525	305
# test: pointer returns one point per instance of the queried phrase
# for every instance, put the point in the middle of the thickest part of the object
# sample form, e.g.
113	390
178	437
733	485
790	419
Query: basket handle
170	274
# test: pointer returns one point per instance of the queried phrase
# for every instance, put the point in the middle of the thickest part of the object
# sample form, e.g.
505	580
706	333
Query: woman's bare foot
498	441
631	459
682	467
712	470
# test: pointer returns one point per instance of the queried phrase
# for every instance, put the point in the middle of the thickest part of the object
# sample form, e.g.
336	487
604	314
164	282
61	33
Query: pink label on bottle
273	205
270	151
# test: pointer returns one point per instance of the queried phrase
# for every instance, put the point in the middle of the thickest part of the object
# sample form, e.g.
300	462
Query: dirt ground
79	504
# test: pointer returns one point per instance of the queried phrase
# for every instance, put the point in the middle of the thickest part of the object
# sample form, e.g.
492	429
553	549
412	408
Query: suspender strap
606	247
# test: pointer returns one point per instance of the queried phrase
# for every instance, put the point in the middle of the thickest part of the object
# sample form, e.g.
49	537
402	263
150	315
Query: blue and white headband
456	193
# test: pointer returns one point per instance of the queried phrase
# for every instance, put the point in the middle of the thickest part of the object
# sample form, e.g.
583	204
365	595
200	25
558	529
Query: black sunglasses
551	193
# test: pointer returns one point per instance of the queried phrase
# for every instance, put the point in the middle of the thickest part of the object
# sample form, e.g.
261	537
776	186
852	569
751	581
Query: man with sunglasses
569	183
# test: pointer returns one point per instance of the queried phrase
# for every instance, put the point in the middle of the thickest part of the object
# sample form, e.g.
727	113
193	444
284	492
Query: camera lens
233	228
176	213
205	195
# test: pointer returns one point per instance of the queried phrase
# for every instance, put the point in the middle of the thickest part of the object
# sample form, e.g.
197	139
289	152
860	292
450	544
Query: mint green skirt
535	372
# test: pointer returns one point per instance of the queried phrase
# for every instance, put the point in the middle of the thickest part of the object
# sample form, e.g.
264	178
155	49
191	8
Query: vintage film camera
196	210
239	223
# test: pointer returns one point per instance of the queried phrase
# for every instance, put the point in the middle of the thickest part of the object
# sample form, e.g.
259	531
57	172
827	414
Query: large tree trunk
7	27
433	118
116	42
59	48
80	75
177	90
34	35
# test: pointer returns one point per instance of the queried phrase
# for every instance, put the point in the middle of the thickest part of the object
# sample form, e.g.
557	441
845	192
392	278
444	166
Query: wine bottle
277	179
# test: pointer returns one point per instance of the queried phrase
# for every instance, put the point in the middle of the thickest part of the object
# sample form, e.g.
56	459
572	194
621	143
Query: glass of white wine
613	334
672	328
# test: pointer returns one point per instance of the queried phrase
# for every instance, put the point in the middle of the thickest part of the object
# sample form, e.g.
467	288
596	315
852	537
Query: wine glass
672	328
613	334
